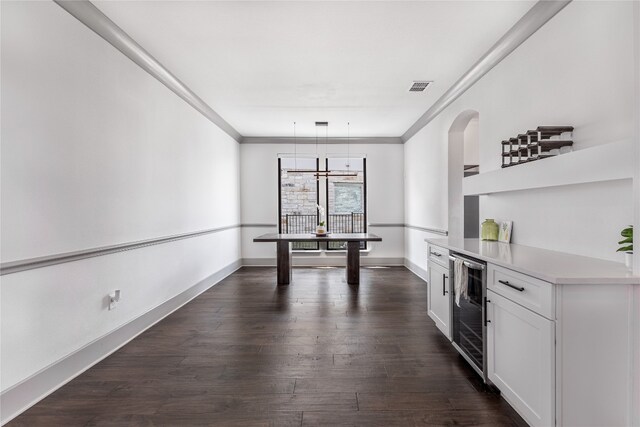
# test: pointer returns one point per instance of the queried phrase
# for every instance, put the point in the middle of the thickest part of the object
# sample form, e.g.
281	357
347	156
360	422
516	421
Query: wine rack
543	142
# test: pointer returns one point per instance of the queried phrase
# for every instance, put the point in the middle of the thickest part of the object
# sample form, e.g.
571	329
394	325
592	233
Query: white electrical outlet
114	297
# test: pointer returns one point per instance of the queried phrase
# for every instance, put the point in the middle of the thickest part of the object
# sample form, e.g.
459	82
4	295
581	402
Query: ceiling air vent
419	85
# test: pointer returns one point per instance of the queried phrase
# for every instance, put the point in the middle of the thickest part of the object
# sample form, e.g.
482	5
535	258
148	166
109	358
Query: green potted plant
627	245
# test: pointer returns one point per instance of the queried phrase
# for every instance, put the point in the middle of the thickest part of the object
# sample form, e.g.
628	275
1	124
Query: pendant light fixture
285	172
329	173
295	169
295	147
316	172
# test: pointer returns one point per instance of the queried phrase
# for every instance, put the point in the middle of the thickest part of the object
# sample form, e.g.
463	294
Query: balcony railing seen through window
336	223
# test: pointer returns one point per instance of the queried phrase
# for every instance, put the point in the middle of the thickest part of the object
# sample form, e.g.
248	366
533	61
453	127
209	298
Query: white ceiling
263	65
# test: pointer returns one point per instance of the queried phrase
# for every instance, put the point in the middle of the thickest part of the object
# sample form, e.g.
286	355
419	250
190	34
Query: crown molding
313	140
531	22
87	13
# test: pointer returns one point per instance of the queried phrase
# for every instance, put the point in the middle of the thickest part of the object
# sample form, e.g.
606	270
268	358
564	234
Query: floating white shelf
606	162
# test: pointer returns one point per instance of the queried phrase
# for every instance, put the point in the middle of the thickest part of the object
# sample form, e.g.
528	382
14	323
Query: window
298	199
346	199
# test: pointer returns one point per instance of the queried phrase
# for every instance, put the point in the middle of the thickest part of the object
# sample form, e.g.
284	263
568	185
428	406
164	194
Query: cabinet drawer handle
506	283
436	254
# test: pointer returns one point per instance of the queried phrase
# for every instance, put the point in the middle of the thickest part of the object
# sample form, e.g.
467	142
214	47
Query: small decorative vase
489	230
628	260
321	230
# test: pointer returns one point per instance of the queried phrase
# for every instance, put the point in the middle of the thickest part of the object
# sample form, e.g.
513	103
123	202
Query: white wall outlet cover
114	297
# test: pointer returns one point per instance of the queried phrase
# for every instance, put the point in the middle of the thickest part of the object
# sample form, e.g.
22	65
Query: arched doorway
464	152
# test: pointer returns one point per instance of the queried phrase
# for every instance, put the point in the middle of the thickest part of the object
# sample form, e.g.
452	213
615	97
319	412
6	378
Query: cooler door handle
485	311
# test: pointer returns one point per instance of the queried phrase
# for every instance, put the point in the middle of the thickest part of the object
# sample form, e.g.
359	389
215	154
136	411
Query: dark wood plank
322	352
258	403
401	401
241	419
358	418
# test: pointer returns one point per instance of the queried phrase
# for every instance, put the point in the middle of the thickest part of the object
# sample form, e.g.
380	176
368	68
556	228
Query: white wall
576	70
96	152
636	262
425	190
472	143
385	199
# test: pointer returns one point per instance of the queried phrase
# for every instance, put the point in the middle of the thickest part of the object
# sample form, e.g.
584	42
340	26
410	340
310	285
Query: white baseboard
28	392
326	261
416	269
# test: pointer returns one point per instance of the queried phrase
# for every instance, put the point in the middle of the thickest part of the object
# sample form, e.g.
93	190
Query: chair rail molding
428	229
45	261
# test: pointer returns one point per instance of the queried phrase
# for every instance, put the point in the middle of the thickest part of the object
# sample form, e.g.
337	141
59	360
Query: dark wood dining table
283	244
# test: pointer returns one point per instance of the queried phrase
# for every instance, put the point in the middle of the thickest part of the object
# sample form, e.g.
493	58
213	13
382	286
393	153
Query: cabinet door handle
444	290
485	311
506	283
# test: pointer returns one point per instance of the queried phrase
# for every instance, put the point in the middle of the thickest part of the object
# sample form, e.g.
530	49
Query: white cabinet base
563	339
594	355
520	346
438	298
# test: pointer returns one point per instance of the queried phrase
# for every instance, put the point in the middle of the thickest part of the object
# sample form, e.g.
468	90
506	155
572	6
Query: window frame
363	245
317	244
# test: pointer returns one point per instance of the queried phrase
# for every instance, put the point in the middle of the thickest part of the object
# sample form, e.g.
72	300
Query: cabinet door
521	364
439	303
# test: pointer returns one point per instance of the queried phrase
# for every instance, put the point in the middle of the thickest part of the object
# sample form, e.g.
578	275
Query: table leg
284	263
353	263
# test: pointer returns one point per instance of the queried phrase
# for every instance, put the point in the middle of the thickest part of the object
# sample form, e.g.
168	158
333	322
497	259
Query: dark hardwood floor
316	352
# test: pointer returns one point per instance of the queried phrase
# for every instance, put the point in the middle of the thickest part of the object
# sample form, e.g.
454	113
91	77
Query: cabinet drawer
529	292
438	255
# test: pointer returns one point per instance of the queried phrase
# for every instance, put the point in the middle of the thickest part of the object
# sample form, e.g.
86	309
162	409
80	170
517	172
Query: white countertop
555	267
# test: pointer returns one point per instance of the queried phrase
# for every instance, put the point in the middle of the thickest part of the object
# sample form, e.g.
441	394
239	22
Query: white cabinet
438	297
529	292
521	350
562	343
439	255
